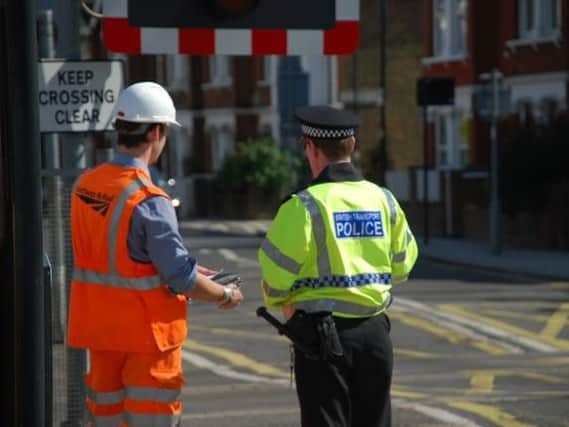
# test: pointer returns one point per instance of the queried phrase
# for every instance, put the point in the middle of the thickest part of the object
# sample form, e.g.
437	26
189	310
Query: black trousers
354	391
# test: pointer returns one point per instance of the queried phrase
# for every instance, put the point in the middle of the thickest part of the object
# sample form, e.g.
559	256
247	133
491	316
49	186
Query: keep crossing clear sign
78	96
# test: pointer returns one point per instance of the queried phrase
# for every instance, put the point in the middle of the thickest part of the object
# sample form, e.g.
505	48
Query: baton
281	328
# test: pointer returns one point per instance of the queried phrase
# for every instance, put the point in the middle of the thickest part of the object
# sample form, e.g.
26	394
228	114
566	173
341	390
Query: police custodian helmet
324	122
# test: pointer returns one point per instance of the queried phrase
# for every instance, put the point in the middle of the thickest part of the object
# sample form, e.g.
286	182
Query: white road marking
226	371
435	413
231	255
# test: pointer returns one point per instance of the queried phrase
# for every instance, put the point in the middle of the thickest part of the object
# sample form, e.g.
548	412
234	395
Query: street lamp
383	89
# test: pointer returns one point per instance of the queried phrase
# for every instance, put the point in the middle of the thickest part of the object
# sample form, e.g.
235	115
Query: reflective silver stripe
392	206
399	279
139	283
319	232
399	257
410	236
274	293
280	259
105	398
115	221
340	306
105	420
153	394
152	420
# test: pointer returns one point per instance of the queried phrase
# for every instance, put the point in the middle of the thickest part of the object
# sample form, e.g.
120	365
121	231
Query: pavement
542	264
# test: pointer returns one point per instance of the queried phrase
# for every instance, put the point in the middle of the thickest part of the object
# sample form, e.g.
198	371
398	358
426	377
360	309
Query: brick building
526	42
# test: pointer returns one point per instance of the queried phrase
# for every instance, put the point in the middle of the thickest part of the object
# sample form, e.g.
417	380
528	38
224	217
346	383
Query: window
450	22
178	72
525	113
549	109
268	68
539	19
451	145
219	72
221	147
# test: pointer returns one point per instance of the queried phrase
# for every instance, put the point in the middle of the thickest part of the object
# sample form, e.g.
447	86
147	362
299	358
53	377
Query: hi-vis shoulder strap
113	278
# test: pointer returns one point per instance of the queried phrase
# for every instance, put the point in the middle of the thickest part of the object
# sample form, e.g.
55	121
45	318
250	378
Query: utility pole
494	80
383	89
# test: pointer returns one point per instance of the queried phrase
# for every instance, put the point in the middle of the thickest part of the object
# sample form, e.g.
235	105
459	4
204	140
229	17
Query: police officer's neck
319	167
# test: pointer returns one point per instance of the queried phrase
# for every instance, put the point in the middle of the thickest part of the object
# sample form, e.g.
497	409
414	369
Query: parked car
168	185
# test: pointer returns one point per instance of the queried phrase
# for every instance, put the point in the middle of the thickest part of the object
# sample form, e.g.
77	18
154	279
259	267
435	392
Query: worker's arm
154	237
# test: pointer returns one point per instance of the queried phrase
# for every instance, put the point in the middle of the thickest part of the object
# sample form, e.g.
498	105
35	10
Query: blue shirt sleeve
154	237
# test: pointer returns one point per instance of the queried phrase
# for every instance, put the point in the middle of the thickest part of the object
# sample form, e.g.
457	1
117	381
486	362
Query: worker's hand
207	271
234	300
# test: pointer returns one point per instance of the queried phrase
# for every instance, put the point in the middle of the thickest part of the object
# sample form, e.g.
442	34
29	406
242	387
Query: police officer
338	246
133	275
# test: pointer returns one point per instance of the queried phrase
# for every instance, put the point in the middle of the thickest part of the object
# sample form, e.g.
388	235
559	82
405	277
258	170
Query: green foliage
262	165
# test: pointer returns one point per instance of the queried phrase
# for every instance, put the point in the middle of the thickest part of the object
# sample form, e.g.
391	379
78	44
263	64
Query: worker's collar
338	172
128	161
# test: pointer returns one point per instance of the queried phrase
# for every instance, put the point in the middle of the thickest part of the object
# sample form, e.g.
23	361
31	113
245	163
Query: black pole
355	82
22	144
383	88
425	178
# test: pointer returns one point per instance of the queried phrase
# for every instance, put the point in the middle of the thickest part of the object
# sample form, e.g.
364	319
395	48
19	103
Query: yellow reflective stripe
105	420
274	293
319	232
152	420
392	206
106	397
280	259
340	307
137	283
153	394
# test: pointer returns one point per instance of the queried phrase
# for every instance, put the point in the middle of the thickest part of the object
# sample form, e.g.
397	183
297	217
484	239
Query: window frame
455	148
446	41
539	28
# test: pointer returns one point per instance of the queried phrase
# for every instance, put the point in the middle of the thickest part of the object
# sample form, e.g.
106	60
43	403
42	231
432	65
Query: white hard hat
145	102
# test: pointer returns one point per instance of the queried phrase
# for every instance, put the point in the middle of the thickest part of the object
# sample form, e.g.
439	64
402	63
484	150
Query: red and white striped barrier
120	37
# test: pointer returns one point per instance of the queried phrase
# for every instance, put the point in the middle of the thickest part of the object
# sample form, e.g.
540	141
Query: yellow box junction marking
482	381
448	334
556	323
237	359
561	344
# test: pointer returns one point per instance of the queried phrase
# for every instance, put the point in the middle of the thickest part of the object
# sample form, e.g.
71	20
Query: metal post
54	188
425	179
383	88
20	120
495	209
74	157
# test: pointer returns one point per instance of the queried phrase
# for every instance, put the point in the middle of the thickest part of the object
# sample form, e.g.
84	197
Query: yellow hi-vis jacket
337	246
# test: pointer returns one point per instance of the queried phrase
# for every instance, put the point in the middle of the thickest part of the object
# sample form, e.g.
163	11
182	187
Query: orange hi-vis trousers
134	389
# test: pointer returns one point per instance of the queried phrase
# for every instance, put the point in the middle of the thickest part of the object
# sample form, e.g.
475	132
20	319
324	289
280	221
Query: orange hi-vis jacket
117	304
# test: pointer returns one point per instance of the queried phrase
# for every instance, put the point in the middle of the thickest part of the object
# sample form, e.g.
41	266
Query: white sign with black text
78	96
